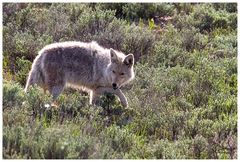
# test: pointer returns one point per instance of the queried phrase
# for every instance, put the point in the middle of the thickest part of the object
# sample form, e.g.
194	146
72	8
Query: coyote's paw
54	105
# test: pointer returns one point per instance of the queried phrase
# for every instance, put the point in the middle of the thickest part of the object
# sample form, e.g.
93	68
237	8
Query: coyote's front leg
93	97
118	92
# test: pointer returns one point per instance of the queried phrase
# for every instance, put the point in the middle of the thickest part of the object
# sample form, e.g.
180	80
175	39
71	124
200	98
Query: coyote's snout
82	65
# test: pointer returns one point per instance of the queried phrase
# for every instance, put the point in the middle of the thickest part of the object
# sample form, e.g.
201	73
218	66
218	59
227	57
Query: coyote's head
120	70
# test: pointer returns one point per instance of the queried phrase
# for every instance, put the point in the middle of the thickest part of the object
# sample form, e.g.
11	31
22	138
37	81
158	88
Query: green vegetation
182	103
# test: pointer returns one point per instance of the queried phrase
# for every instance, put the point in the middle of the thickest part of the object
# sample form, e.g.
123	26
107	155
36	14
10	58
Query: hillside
182	102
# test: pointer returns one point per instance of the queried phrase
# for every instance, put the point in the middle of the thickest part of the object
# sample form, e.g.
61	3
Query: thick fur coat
82	65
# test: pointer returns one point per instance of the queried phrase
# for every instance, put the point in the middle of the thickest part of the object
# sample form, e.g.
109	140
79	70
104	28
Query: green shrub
164	149
135	11
230	7
206	19
210	19
92	22
13	95
22	74
122	141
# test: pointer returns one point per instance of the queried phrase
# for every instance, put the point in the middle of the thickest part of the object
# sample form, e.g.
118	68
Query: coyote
82	65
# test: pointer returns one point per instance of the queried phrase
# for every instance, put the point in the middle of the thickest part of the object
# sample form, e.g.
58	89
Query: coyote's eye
122	74
113	71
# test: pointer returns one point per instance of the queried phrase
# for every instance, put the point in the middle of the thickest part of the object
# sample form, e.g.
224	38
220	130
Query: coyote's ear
114	57
129	60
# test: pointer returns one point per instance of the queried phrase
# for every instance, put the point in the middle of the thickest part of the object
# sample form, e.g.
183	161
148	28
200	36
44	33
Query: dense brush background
182	103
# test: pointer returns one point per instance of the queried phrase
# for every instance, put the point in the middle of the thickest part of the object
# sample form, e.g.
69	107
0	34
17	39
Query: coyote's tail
36	74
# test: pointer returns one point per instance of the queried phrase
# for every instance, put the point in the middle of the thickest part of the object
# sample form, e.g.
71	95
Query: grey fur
81	65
